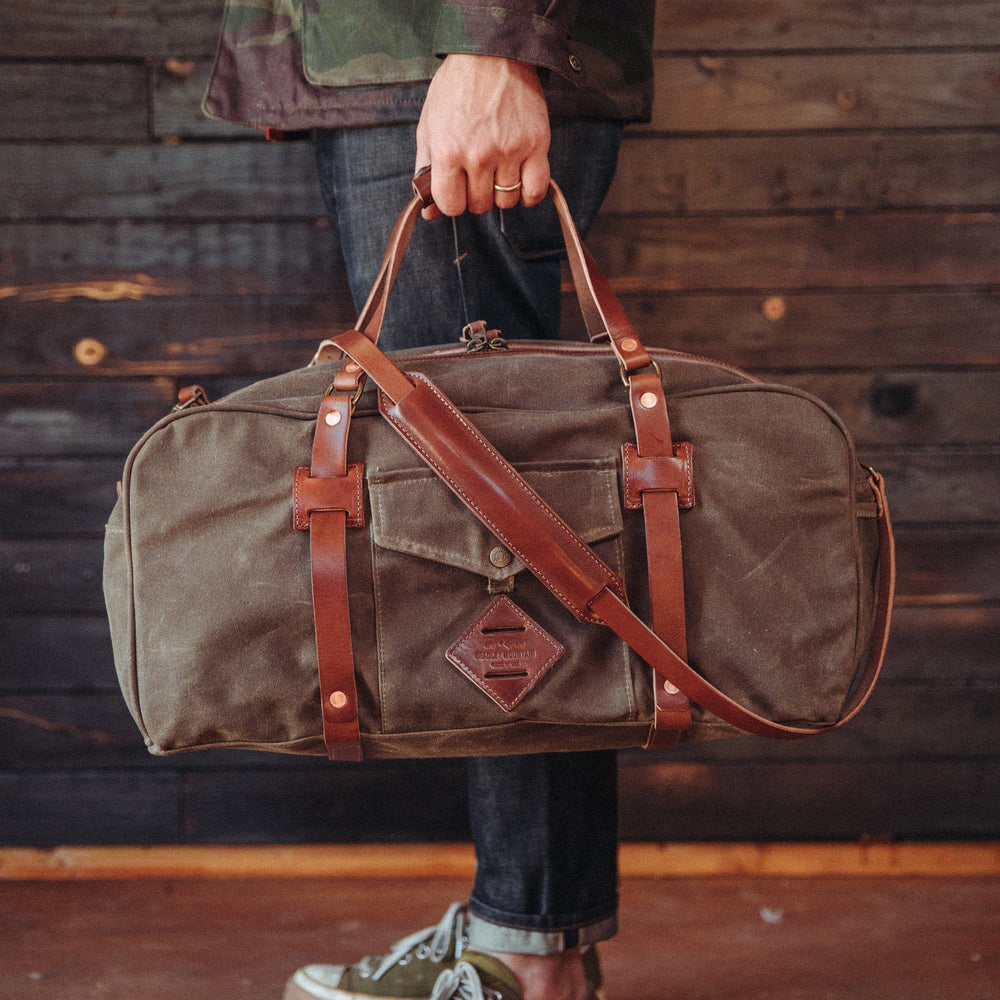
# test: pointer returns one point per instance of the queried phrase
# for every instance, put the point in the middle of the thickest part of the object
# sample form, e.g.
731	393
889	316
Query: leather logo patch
504	652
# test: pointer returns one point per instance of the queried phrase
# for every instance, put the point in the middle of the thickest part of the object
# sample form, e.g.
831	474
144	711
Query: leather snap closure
575	64
647	400
338	699
500	557
671	688
333	418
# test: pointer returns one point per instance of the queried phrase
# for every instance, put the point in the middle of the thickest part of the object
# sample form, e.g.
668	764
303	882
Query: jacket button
500	557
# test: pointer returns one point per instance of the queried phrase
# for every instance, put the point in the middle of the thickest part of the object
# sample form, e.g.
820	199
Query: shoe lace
461	982
431	942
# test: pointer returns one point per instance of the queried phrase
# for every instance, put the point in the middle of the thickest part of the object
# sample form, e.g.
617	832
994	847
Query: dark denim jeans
544	826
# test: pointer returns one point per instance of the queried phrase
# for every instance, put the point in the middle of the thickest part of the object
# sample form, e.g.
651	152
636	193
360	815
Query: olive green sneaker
432	964
483	977
408	971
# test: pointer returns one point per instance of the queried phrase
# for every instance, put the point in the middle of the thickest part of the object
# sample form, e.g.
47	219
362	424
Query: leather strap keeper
311	493
659	473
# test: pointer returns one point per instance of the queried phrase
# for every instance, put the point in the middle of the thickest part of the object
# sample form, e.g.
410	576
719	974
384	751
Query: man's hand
484	123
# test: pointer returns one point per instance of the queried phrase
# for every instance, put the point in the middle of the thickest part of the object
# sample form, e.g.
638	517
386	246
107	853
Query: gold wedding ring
506	189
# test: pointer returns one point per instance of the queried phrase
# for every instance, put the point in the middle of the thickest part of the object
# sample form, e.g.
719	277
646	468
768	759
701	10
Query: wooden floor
692	938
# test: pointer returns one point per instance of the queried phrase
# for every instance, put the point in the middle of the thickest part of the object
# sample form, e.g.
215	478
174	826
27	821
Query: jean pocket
532	233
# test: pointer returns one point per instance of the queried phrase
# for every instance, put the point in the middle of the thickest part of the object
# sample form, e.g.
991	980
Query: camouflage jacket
299	64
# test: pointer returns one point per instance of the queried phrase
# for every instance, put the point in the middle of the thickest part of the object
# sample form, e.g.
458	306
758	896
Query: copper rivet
575	64
670	688
629	344
338	699
333	418
351	367
648	400
500	557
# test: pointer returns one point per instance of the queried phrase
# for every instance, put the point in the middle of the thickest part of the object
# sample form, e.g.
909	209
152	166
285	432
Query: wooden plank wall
817	200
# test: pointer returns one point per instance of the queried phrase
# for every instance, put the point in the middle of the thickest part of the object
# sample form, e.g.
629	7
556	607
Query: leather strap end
422	186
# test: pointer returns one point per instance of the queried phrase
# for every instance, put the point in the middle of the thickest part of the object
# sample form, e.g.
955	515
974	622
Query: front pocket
437	567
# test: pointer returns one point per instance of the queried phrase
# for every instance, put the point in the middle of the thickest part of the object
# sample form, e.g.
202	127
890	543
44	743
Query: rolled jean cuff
488	935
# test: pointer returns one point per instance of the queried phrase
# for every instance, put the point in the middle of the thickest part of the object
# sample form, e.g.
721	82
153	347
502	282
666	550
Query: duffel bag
496	547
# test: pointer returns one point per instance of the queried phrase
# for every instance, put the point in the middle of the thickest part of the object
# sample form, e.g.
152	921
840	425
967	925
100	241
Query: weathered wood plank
267	334
802	801
899	723
73	101
940	644
868	170
172	335
64	498
716	25
83	417
803	329
938	567
655	175
826	91
55	653
951	486
50	576
71	732
254	179
121	259
821	251
353	803
646	255
47	809
911	408
667	801
96	29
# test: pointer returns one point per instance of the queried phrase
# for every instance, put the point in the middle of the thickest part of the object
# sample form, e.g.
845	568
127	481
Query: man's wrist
518	32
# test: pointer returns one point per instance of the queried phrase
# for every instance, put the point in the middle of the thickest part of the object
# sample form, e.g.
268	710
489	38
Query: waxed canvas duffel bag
521	547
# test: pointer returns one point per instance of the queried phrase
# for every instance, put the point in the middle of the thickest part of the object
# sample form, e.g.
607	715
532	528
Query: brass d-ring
625	376
331	390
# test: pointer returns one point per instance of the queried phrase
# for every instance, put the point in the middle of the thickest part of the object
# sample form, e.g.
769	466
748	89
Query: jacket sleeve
532	31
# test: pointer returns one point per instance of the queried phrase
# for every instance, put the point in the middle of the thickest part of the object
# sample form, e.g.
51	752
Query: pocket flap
415	513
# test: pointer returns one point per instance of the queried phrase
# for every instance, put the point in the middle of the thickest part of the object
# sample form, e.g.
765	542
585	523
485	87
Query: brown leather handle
603	314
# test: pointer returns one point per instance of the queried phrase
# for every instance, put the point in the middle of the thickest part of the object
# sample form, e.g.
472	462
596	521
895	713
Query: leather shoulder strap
494	491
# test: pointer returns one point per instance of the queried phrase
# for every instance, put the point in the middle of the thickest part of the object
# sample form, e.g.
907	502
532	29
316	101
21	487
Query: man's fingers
449	190
534	179
507	185
480	197
424	160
